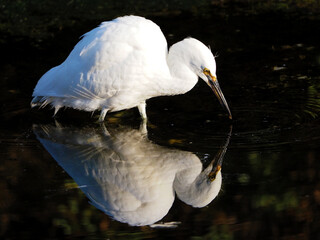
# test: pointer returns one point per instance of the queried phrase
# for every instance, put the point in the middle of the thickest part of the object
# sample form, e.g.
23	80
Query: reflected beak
213	83
217	161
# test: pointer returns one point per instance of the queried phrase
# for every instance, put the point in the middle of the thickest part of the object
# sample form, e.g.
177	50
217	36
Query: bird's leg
105	130
103	114
142	111
143	127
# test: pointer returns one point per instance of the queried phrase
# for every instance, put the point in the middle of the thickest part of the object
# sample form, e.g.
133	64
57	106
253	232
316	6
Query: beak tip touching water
214	85
228	110
217	91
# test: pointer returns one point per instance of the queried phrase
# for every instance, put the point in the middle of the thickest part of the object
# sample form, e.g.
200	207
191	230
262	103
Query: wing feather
116	56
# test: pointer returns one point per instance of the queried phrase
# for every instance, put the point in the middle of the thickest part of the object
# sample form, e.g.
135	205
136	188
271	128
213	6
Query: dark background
268	67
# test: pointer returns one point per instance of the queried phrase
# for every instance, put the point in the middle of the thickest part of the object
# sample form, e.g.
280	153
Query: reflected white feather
126	175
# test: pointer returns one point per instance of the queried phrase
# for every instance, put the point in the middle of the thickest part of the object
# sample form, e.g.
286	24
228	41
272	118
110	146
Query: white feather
121	64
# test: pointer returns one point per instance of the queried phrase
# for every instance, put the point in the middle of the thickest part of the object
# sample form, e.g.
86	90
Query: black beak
213	83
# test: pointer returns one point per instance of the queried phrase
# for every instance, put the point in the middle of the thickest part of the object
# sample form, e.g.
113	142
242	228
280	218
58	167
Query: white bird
127	176
121	64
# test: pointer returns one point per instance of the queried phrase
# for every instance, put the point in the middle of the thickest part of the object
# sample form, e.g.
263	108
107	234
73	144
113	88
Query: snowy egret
121	64
129	177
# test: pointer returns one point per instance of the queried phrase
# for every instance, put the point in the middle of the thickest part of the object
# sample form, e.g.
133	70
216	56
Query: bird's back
114	64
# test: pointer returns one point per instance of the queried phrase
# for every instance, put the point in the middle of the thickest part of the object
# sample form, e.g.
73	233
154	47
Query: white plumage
121	64
127	176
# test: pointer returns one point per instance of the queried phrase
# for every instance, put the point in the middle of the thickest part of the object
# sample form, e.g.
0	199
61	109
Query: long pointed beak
213	83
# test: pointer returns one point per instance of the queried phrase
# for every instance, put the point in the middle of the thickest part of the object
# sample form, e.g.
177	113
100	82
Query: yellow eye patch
206	71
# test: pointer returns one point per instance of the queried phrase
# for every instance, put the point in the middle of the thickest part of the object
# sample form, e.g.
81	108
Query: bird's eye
206	71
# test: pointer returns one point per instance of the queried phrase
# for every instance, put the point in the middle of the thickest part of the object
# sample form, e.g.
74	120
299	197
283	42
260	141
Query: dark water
268	67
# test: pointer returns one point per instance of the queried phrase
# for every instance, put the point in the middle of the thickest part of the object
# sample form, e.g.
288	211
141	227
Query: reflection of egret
129	177
121	64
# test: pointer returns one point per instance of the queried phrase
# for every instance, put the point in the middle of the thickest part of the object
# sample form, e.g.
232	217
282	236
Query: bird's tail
42	101
39	101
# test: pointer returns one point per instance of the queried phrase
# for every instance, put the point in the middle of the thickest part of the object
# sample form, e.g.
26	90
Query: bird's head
204	65
201	61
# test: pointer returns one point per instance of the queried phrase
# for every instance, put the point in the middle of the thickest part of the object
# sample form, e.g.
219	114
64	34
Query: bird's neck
181	78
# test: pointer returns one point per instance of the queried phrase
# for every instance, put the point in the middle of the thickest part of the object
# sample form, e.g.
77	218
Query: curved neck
181	78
